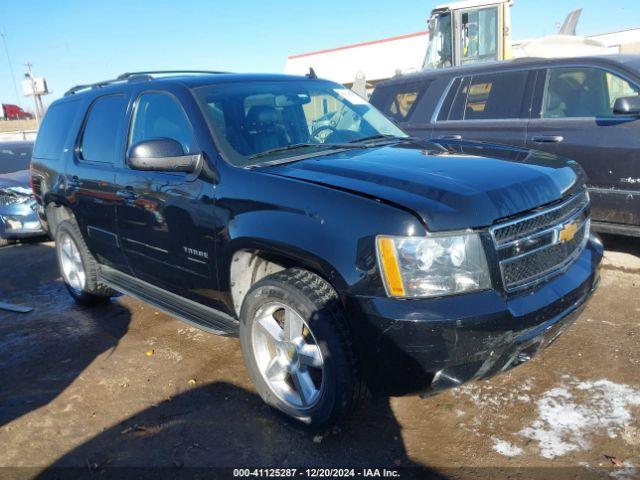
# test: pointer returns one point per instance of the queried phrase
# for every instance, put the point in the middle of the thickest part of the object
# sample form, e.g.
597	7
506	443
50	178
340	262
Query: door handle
547	139
449	137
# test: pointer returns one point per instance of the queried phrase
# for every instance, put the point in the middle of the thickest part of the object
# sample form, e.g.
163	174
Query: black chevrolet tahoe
348	257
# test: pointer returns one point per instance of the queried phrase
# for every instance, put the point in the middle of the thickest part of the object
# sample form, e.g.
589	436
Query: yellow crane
473	31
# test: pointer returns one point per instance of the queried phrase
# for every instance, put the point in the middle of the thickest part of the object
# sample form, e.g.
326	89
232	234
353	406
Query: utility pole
13	77
37	100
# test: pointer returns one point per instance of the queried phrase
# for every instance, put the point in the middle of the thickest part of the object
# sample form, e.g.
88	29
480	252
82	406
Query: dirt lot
124	385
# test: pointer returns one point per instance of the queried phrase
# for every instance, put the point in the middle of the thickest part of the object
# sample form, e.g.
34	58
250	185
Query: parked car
363	261
586	109
18	219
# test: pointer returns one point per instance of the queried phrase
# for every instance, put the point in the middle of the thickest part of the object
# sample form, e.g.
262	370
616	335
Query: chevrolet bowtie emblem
567	232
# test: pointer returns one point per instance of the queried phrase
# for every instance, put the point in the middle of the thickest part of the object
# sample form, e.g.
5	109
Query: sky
71	42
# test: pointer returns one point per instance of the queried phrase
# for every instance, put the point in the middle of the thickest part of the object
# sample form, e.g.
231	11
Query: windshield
439	52
14	157
259	122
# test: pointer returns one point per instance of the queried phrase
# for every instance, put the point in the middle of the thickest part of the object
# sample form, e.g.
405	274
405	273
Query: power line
13	77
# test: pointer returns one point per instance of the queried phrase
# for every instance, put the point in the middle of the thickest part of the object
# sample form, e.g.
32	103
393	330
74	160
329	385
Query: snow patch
567	415
505	448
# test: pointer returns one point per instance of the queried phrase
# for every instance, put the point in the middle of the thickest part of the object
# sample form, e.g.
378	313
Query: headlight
13	199
432	266
14	195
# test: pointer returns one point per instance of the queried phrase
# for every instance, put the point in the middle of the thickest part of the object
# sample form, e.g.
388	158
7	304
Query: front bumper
19	221
427	345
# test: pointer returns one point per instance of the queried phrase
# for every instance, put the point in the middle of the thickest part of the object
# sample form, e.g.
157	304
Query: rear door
488	107
573	117
90	177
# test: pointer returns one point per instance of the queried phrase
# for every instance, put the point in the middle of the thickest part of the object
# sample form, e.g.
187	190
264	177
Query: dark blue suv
348	257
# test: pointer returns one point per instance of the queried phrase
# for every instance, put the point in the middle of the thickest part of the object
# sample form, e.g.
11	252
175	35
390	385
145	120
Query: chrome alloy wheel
287	355
71	263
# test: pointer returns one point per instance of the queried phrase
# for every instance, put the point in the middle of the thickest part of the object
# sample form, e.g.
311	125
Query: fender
328	231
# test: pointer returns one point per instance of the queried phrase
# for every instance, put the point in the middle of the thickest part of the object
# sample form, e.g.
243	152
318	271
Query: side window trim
617	73
132	113
77	147
443	98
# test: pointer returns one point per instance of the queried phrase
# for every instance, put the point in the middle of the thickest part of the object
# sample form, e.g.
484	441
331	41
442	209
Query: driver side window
159	115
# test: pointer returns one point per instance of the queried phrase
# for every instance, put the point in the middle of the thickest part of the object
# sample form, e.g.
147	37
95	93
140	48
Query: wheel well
248	266
56	214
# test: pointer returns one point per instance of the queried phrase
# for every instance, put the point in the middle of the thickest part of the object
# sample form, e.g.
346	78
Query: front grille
540	244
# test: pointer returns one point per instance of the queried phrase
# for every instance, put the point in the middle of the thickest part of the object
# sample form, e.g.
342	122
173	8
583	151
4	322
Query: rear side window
583	92
488	97
100	138
54	130
399	101
496	96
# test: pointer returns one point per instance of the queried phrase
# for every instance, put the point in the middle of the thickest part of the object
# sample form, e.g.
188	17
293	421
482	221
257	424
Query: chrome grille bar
535	246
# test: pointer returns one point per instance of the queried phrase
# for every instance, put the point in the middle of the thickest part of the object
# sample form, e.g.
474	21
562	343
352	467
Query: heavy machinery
474	31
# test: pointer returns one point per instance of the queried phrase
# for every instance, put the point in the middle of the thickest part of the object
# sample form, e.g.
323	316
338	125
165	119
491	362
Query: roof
189	80
468	4
631	62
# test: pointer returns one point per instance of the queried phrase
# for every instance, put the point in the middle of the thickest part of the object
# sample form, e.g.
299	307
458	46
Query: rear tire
311	373
78	268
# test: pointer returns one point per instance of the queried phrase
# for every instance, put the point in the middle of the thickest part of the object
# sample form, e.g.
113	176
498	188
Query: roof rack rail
150	73
137	77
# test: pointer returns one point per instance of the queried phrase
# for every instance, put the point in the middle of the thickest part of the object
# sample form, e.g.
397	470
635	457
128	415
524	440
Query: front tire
297	348
78	268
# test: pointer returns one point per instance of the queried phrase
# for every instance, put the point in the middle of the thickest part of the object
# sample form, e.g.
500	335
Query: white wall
377	60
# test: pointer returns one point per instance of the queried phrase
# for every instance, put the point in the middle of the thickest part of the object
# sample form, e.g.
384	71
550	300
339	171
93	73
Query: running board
193	313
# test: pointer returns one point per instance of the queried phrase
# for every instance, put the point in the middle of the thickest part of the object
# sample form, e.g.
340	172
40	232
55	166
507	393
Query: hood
450	186
16	179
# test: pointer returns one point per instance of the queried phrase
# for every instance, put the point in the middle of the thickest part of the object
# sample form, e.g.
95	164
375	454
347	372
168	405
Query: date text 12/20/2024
315	472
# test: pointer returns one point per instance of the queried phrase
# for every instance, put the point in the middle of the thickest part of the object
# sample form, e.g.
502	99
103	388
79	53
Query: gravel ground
123	385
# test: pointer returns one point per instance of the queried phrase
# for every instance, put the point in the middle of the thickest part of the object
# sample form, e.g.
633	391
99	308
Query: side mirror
627	106
161	155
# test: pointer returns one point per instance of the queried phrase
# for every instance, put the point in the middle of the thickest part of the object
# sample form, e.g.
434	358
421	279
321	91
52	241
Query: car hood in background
450	186
15	179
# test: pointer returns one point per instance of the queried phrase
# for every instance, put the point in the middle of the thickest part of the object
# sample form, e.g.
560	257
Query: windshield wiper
382	136
294	146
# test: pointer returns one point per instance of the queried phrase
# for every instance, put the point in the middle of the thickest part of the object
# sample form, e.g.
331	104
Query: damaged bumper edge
425	346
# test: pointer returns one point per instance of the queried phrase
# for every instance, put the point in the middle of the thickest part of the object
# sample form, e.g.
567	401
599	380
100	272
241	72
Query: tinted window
14	157
104	122
496	96
399	101
159	115
54	130
583	92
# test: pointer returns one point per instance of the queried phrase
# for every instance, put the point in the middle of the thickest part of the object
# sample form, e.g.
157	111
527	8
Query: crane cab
467	32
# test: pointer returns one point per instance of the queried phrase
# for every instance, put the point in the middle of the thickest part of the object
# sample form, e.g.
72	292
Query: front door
166	219
575	119
90	177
